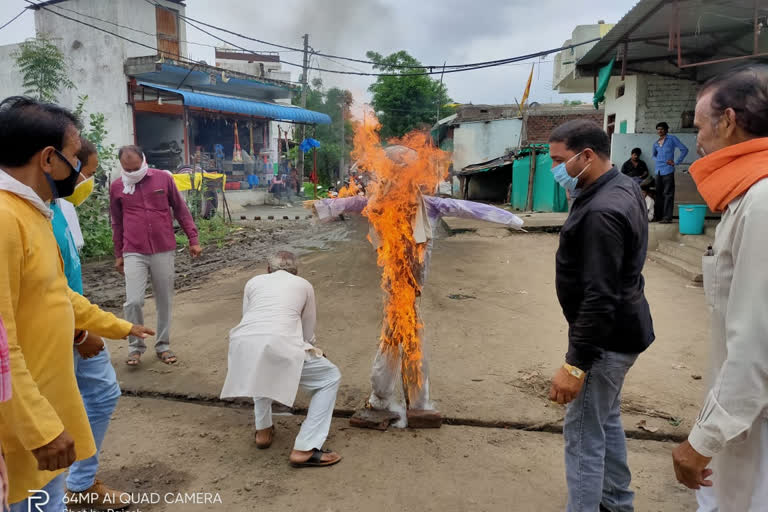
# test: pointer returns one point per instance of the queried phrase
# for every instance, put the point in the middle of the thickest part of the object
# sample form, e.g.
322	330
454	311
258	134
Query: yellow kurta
40	313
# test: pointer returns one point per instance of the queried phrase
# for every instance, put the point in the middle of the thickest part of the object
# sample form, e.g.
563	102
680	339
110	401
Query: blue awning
251	108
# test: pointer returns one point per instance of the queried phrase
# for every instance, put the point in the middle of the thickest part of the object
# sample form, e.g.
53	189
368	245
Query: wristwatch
576	372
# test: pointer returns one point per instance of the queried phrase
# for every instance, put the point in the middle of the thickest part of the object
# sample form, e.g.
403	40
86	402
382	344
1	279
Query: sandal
316	460
134	358
263	444
167	356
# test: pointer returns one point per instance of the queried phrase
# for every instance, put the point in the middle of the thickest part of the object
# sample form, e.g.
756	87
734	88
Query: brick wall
539	126
664	99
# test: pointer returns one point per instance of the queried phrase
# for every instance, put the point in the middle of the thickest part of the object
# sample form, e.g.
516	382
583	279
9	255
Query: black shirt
641	171
599	279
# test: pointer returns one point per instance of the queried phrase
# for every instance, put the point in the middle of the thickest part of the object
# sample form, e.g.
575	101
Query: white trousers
320	378
740	475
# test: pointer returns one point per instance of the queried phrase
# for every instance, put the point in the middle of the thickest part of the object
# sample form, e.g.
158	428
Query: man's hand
691	467
565	387
141	332
671	162
58	454
120	265
195	251
90	347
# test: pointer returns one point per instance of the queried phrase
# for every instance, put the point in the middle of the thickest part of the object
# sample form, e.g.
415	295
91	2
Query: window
611	126
686	119
620	91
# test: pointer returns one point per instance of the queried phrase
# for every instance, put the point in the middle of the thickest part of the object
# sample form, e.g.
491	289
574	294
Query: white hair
283	260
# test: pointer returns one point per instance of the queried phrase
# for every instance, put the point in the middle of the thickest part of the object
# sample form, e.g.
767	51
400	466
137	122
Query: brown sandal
167	356
263	444
134	358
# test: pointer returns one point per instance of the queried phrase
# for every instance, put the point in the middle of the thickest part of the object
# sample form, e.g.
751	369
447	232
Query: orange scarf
726	174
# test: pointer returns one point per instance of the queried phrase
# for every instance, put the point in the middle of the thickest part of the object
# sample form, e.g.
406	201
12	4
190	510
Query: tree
44	68
407	101
336	103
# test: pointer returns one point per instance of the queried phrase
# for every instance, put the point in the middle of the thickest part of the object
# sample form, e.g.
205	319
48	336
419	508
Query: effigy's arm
444	207
330	208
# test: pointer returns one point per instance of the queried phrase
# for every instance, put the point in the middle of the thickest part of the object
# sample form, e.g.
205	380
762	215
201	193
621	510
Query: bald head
283	260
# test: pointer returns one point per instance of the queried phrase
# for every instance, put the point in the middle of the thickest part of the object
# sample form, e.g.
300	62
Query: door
167	32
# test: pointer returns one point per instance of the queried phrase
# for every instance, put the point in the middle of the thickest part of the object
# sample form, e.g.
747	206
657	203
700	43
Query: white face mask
130	179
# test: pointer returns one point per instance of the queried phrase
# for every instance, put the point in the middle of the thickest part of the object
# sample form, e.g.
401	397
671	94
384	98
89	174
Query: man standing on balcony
143	203
664	157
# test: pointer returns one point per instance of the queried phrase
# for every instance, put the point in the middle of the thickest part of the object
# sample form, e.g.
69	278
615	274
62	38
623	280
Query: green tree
43	67
336	103
408	100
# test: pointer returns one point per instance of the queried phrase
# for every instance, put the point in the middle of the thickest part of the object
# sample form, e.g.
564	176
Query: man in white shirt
726	454
272	353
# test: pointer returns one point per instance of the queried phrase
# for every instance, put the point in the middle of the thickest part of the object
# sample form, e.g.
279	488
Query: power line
159	52
13	19
449	68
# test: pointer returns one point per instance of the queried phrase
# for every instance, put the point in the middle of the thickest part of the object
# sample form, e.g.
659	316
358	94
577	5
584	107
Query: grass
211	232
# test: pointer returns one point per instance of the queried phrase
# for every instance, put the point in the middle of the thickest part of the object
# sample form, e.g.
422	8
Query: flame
401	172
350	190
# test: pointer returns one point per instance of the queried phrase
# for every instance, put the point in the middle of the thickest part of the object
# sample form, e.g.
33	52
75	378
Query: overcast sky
434	31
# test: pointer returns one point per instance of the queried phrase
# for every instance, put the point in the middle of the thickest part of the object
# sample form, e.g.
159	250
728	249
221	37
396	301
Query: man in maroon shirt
143	203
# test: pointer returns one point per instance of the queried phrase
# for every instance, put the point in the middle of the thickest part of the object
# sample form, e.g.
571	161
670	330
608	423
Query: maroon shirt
142	222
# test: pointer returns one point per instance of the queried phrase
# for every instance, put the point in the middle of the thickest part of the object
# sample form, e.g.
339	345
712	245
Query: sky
433	31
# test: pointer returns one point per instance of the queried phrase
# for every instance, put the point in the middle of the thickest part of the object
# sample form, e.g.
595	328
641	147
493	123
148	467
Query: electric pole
304	86
343	142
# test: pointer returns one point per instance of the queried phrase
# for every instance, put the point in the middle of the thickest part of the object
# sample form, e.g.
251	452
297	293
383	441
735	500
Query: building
139	76
486	139
662	52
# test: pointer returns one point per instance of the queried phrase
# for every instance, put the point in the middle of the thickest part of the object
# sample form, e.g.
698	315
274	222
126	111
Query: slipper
134	358
316	460
167	356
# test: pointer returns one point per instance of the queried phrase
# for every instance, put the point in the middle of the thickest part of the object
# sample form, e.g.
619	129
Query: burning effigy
403	214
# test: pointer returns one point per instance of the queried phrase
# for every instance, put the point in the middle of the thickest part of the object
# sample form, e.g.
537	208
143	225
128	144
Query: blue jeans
51	499
595	446
99	388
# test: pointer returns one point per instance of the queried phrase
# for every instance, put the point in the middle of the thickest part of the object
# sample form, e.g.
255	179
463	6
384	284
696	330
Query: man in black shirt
635	168
600	287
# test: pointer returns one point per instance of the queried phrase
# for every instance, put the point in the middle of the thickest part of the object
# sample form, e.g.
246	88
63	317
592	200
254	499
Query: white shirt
736	285
268	346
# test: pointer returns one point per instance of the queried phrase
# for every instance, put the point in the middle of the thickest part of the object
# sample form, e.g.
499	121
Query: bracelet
81	339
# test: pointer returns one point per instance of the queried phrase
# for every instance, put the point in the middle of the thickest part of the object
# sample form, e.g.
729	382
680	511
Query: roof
473	113
247	107
490	165
708	30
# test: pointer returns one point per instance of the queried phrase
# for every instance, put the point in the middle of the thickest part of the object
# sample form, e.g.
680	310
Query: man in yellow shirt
44	427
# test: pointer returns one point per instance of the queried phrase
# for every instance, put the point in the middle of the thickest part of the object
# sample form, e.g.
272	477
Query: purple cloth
437	207
142	222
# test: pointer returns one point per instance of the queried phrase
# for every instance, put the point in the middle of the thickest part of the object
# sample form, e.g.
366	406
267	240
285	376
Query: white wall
480	141
664	99
625	107
95	58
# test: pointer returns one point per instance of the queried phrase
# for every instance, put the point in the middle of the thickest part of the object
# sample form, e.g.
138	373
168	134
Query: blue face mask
565	180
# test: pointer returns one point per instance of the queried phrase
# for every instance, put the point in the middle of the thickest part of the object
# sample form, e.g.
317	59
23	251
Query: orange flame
402	173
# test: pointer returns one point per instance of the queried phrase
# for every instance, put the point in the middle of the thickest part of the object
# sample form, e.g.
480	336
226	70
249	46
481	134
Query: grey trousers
139	267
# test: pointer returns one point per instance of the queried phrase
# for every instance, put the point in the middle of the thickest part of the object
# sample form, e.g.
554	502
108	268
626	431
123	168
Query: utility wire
13	19
176	56
449	68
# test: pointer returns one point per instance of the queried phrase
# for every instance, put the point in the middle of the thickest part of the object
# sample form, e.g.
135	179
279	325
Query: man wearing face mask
600	287
95	375
143	203
44	427
726	454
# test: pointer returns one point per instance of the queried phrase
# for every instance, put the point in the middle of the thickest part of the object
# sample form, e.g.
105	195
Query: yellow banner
184	181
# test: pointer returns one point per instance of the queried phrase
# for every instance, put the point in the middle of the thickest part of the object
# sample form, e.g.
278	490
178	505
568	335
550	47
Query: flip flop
166	356
134	358
316	460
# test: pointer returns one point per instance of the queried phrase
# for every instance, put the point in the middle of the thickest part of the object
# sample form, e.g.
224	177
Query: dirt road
494	335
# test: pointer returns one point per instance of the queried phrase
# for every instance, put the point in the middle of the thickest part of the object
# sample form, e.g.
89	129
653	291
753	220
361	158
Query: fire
401	173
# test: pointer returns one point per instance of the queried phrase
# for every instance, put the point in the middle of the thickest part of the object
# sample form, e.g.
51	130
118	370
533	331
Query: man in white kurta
272	353
726	455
